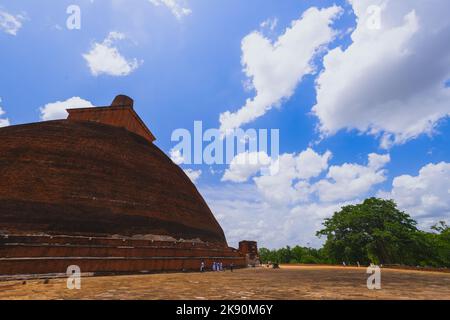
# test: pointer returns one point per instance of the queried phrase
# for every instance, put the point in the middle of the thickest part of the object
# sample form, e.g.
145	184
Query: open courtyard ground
288	282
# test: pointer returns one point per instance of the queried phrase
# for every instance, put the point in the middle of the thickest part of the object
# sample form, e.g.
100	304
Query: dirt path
296	282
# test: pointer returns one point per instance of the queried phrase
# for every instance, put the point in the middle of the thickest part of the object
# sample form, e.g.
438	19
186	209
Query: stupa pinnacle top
119	114
122	101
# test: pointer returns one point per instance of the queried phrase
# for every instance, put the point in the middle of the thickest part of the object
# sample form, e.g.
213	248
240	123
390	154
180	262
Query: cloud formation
350	180
288	206
193	174
244	214
175	6
176	157
10	24
425	196
57	110
283	209
245	165
290	184
4	122
275	68
390	82
105	58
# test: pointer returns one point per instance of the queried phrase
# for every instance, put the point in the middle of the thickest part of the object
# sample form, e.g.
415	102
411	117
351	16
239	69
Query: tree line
375	231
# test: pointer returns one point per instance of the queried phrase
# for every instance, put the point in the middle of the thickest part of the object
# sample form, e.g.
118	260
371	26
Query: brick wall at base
28	255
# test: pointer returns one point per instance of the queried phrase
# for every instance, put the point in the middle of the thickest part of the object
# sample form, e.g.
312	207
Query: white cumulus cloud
310	164
178	9
275	68
277	176
176	157
245	165
193	174
390	82
289	183
4	122
245	214
10	24
349	181
105	58
57	110
283	209
426	195
288	207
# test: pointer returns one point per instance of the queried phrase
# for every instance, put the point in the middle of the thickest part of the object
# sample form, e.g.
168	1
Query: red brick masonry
98	180
90	179
26	255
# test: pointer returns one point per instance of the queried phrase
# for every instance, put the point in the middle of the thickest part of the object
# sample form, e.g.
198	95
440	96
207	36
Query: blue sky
377	84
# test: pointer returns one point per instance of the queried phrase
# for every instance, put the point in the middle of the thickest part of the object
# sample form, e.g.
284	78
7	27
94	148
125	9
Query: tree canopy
375	231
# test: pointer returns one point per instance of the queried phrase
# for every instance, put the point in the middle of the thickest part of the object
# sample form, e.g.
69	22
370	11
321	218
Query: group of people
216	266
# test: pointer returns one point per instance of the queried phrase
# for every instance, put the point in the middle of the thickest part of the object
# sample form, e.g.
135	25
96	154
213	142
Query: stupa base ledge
29	257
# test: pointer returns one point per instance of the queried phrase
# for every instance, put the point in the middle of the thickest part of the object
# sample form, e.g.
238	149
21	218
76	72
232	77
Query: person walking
202	266
231	267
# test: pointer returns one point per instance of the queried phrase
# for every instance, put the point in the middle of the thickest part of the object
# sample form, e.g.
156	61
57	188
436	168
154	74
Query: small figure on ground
202	266
231	267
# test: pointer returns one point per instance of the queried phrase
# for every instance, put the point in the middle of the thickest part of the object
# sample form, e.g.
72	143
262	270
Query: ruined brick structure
94	191
250	250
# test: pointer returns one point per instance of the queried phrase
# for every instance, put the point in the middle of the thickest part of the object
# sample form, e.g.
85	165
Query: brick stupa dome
97	173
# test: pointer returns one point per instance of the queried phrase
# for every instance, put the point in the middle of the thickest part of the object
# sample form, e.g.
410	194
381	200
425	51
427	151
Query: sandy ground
289	282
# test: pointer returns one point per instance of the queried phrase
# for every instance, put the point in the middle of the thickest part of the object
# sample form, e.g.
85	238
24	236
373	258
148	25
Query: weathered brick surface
110	265
86	178
122	116
35	251
94	191
23	255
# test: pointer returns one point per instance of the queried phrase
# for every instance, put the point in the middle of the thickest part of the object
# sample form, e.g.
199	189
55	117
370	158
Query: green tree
437	250
296	254
373	231
265	255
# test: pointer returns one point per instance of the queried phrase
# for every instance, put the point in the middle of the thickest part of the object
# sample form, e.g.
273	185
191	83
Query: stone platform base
43	255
